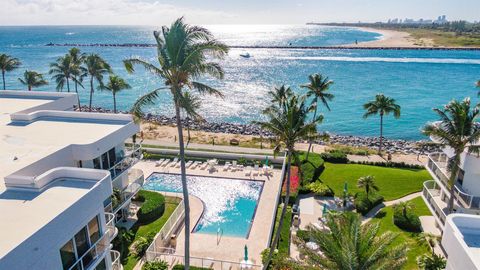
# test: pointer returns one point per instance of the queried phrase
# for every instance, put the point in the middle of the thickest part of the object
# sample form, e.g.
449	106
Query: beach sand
392	38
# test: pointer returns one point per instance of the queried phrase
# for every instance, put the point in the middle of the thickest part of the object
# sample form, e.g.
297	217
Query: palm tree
349	244
96	67
431	262
62	72
405	206
78	71
115	84
190	104
32	79
8	63
318	88
279	95
382	105
458	129
288	122
182	55
368	183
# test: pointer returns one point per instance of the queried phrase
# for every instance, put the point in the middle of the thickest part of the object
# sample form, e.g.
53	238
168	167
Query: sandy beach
392	38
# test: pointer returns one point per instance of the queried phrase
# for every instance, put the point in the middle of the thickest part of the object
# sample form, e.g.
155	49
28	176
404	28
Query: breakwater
391	146
146	45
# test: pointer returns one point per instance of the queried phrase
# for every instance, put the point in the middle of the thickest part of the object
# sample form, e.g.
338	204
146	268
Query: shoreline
390	39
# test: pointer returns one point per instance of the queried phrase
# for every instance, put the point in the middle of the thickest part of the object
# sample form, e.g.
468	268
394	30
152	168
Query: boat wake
385	59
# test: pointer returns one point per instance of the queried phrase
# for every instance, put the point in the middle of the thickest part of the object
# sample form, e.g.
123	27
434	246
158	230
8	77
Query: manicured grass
145	229
392	182
415	249
284	242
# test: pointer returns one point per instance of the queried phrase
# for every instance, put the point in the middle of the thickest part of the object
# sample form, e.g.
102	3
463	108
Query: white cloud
91	12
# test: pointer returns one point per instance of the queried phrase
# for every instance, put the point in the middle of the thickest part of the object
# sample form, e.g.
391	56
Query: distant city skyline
154	12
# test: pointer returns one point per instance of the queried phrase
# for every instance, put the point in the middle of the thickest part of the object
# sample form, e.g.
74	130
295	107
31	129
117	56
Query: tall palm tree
368	183
279	95
190	105
8	63
32	79
458	129
62	72
115	84
288	122
349	244
78	70
96	68
318	88
182	52
382	105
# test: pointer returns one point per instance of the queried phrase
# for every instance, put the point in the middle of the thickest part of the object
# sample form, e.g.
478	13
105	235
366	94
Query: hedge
155	265
318	188
410	222
335	157
182	267
364	204
400	165
152	208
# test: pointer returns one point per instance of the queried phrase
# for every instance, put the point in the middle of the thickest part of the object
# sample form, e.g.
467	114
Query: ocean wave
385	59
70	33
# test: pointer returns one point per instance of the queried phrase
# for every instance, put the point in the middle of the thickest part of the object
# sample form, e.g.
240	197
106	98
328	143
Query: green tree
382	106
288	122
368	183
78	70
279	96
115	84
96	68
32	79
62	71
405	206
317	88
190	105
458	129
431	262
182	52
8	63
349	244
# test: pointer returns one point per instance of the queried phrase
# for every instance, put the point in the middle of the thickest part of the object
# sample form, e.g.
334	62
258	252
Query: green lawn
284	242
144	230
385	217
392	182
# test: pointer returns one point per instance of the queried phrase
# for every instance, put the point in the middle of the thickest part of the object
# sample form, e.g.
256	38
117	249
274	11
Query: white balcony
131	156
115	257
135	180
110	225
95	253
432	197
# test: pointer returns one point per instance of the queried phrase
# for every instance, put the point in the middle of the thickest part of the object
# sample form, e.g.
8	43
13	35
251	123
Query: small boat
245	55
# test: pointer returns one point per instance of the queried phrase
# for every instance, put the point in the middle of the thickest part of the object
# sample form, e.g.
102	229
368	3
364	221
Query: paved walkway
372	213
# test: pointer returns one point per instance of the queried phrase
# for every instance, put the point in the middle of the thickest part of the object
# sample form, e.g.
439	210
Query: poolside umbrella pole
245	253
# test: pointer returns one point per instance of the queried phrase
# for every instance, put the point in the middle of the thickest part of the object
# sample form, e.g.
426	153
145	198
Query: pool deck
228	248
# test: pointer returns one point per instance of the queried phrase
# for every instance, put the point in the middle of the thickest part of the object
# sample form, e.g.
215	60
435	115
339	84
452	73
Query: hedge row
335	157
152	208
401	165
364	204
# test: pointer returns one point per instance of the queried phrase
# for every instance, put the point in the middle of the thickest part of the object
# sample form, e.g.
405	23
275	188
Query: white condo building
65	179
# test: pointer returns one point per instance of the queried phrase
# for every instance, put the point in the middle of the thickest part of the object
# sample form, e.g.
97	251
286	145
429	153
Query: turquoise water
230	204
419	80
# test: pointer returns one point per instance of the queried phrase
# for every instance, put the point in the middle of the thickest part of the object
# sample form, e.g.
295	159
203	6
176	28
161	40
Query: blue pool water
471	236
230	204
418	80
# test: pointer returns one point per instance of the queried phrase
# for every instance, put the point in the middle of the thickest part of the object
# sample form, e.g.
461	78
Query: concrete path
372	213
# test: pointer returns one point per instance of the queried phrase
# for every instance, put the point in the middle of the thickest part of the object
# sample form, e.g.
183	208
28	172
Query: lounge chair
203	166
256	170
158	163
195	165
177	165
174	162
226	167
248	171
165	164
188	164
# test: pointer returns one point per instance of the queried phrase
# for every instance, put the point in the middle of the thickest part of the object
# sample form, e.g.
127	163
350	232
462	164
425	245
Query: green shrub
304	235
152	208
142	243
320	189
335	157
409	222
364	204
155	265
182	267
400	165
265	252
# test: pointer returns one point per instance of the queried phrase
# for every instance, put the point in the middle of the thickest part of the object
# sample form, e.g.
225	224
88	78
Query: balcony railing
431	190
110	225
131	156
437	163
115	257
95	252
135	183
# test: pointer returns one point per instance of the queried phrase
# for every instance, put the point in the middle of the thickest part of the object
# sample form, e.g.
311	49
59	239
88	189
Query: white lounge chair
248	171
256	170
158	163
226	167
195	165
203	166
165	164
174	162
188	164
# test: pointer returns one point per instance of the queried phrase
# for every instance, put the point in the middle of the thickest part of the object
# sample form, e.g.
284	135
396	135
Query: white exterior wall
458	253
471	180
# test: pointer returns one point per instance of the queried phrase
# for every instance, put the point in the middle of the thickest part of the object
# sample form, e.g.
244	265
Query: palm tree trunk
284	211
68	85
310	141
381	135
453	181
188	133
29	88
114	103
91	94
186	203
76	91
3	79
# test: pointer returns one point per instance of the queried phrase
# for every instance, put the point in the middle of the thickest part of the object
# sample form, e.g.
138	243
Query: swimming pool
471	236
230	204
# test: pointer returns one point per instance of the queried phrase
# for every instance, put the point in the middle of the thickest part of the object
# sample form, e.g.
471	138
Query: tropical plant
96	68
349	244
288	122
382	105
182	52
8	63
431	262
32	79
62	71
190	105
458	129
318	89
78	71
155	265
429	239
368	183
142	243
404	207
278	96
115	84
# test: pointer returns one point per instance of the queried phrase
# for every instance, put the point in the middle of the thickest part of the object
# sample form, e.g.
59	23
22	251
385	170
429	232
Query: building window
105	161
67	254
102	265
96	163
111	157
93	230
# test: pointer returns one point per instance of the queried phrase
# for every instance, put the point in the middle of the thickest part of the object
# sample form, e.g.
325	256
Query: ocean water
229	204
418	80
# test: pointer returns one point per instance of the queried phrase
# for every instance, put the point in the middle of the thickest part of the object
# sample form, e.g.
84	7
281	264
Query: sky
155	12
